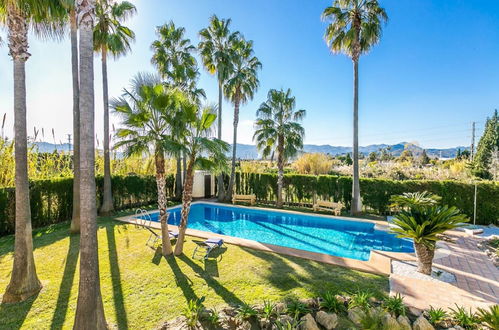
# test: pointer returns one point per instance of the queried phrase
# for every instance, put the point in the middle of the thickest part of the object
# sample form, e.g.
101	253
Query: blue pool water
342	238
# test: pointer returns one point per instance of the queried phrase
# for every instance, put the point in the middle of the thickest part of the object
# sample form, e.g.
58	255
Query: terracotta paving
477	279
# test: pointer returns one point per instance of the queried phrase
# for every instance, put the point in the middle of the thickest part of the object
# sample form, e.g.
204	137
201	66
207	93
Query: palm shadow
66	285
118	299
228	296
12	316
182	281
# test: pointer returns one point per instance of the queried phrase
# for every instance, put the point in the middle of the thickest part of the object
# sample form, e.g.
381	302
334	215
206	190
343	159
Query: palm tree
46	18
89	308
75	219
423	220
110	36
240	87
278	131
147	111
174	60
355	26
216	52
198	143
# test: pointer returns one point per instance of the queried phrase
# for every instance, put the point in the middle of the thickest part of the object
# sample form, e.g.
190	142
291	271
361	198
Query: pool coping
379	261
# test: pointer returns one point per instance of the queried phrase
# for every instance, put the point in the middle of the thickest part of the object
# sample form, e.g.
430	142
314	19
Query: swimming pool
342	238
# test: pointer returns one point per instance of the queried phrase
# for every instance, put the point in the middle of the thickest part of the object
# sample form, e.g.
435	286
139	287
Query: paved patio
477	279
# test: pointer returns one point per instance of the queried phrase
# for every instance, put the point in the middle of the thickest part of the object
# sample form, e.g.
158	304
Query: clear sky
435	71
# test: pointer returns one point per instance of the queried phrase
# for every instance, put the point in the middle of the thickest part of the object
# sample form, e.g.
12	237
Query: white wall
198	184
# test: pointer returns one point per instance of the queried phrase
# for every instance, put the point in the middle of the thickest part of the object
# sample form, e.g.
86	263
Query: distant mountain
249	151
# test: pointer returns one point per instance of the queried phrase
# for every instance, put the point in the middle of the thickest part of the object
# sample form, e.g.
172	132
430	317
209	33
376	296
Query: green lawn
142	290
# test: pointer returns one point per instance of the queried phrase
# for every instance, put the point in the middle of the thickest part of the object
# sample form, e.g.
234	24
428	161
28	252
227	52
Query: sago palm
45	18
355	26
240	87
423	221
110	37
202	151
278	131
147	110
216	52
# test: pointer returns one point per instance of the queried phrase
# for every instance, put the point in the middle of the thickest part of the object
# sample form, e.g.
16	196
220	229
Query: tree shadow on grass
118	299
61	307
12	316
228	296
182	281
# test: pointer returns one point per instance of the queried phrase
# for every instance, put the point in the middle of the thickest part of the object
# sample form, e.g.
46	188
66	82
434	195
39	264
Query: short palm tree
216	52
202	151
110	37
146	111
423	220
173	57
278	131
44	17
240	87
355	27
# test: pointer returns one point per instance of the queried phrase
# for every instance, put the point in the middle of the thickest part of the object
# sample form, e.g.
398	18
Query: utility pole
69	142
472	151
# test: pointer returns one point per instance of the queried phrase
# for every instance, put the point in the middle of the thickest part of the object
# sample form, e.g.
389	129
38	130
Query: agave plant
422	220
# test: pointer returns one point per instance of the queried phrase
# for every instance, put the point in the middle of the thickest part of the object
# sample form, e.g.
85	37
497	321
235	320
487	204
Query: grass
141	289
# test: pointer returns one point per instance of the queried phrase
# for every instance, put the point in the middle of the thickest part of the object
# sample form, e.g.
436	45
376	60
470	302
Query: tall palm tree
355	26
278	131
75	219
110	36
198	143
240	87
89	308
216	52
44	17
147	110
174	60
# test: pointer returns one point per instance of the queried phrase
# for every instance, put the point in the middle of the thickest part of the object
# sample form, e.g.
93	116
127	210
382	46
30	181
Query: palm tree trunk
166	246
280	169
107	202
24	281
75	221
234	146
356	207
221	187
186	206
425	256
89	308
178	178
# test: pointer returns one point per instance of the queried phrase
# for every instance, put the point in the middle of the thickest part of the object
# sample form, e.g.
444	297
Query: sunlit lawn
142	290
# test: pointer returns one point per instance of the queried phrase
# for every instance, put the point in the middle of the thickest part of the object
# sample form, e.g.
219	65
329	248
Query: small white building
203	185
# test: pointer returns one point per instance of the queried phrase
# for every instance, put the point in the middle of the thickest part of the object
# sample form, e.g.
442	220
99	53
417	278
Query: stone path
477	279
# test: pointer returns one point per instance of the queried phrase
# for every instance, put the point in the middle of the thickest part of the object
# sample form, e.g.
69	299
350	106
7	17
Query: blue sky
435	71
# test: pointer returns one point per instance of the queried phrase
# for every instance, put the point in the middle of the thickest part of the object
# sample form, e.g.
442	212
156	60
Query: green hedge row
52	200
375	193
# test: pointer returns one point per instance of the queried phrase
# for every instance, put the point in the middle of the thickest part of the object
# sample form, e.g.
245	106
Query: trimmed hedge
52	200
375	193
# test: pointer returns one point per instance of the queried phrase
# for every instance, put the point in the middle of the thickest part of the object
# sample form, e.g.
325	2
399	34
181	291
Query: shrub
297	309
466	319
313	163
360	299
395	305
192	312
331	304
375	193
490	317
52	200
245	312
268	310
436	315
